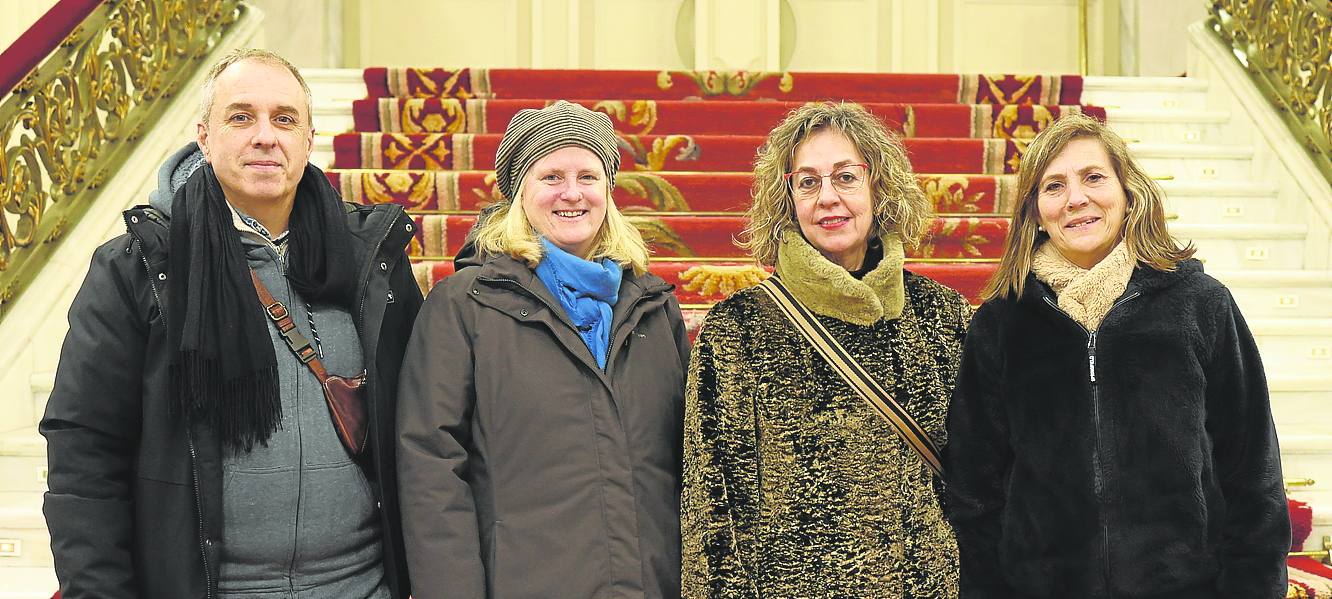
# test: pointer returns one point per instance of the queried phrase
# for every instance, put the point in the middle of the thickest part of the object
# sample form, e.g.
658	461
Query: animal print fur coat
793	485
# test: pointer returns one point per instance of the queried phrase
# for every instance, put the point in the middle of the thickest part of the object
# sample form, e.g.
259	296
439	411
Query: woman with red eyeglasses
815	403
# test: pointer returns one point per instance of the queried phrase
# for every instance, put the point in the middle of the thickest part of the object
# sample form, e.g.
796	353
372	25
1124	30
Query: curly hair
1145	233
899	204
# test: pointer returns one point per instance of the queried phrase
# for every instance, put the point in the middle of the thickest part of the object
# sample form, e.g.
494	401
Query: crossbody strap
297	342
855	376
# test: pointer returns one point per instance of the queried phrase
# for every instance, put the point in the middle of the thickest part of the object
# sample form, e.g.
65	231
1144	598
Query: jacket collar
829	290
501	269
514	289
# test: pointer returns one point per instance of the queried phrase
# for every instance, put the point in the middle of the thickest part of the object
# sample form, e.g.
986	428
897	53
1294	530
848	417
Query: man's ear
201	136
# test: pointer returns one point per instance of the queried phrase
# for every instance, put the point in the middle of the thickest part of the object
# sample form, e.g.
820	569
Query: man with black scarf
192	450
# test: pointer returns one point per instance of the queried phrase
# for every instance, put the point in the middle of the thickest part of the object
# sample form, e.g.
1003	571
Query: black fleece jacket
1139	460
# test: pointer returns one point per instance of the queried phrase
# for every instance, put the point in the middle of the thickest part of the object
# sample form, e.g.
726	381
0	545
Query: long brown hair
1145	233
899	203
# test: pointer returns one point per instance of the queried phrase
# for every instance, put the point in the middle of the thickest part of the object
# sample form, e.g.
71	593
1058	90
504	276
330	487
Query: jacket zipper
151	285
1098	482
189	438
198	511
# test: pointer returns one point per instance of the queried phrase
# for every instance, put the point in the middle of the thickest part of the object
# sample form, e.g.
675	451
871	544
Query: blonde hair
259	55
508	231
898	202
1145	233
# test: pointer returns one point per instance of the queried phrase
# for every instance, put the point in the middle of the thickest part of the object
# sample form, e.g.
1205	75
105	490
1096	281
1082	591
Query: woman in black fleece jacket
1110	434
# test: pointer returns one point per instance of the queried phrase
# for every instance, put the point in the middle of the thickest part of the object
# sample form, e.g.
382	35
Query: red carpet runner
1309	578
721	117
422	190
665	152
682	85
426	139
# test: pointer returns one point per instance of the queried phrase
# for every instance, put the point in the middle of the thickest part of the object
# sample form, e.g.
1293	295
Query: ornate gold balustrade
74	119
1286	45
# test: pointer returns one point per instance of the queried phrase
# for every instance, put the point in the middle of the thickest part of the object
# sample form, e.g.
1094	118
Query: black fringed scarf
224	372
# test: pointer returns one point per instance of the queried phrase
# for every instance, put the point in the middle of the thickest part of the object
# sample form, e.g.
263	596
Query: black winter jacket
1139	460
134	501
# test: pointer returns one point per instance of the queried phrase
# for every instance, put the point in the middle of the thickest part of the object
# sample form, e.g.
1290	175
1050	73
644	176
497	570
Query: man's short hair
241	54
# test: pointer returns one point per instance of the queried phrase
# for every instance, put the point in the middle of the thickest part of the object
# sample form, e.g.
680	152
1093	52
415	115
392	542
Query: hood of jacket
173	174
369	225
468	255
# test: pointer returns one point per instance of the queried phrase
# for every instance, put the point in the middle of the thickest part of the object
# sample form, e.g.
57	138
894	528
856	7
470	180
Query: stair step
1294	345
1320	502
41	385
1195	161
23	461
1169	125
1166	93
22	524
1212	201
28	582
1162	126
1295	397
1279	293
1246	246
333	117
23	468
332	85
1306	452
734	153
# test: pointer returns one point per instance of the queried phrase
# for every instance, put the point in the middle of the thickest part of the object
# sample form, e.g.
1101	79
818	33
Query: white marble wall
810	35
1153	38
306	32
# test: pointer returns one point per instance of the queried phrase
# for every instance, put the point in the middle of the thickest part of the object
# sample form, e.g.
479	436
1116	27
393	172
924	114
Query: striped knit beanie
533	133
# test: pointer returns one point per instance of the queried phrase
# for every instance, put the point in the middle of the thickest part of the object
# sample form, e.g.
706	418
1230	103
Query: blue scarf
587	291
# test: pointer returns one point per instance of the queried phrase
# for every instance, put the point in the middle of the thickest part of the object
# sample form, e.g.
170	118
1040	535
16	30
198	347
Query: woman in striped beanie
542	391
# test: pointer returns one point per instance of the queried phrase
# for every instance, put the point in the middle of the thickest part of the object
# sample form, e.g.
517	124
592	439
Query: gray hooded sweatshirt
299	517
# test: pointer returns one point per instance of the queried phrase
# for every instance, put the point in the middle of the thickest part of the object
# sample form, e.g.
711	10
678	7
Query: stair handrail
1283	45
73	119
45	35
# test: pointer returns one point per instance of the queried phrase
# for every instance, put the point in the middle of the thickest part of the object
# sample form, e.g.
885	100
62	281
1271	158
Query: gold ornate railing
1286	45
73	120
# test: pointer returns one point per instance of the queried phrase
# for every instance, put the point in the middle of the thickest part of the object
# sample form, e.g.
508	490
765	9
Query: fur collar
1086	295
828	289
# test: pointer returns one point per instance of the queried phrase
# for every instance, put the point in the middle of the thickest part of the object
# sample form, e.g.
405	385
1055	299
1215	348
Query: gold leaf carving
1287	47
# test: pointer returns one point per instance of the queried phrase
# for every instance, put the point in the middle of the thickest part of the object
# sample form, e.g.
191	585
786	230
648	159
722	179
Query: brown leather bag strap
345	399
297	342
854	374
